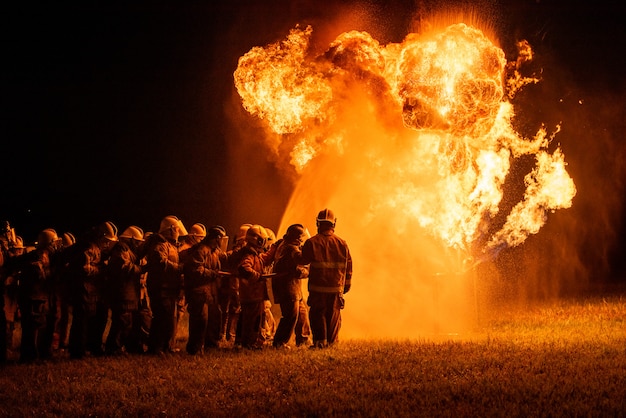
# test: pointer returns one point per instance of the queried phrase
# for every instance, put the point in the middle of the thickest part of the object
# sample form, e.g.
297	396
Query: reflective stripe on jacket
330	263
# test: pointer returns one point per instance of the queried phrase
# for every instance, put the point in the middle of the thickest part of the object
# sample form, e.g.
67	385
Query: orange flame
410	144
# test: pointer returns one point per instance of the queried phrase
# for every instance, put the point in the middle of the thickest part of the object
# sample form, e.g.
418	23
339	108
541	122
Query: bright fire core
410	144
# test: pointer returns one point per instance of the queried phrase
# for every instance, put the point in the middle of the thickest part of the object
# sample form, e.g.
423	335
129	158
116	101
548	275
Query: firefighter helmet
68	239
108	230
295	232
241	235
172	227
133	232
326	215
216	231
47	237
242	231
271	236
256	236
197	230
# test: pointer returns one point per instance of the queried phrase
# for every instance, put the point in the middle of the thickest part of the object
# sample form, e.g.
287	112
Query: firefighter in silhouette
230	303
88	281
7	238
124	272
252	287
202	280
330	274
196	233
287	288
12	272
63	300
164	283
34	294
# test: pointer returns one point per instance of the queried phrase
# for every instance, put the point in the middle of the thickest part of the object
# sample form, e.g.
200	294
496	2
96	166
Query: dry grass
562	359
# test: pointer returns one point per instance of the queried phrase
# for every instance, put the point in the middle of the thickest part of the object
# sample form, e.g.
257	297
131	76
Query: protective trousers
250	319
325	317
204	321
163	327
294	319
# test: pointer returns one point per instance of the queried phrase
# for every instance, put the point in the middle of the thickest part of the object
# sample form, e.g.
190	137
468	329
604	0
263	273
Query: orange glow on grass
410	144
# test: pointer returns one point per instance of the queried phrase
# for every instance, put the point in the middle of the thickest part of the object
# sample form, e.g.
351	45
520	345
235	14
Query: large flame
410	144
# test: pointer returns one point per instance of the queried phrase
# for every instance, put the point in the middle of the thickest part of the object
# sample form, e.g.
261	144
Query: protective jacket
36	277
330	263
162	265
87	276
201	270
252	287
124	274
286	284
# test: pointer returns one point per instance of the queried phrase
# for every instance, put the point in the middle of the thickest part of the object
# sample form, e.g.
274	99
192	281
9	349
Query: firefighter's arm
303	272
90	267
305	256
161	256
246	270
348	282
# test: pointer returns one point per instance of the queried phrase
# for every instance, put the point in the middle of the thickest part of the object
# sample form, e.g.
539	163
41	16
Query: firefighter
202	280
230	304
252	287
142	321
11	279
64	307
330	274
87	276
6	232
124	272
34	294
268	322
287	289
164	283
196	233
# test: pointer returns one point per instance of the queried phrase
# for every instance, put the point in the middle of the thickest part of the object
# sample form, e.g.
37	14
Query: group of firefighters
107	294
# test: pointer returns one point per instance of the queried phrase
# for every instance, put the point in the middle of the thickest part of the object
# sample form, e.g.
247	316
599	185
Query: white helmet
326	215
241	234
172	227
256	236
108	230
133	232
197	230
68	239
47	237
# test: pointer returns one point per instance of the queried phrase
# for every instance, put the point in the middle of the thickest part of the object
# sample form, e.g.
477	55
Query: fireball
412	143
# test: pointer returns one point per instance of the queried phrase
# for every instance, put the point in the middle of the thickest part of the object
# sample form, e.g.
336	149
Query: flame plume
410	144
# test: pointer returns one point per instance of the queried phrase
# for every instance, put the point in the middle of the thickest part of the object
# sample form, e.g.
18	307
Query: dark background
119	110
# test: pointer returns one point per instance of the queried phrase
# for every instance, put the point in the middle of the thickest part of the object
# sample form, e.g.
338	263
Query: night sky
120	110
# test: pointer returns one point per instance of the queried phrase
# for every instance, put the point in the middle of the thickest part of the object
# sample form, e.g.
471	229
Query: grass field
565	358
